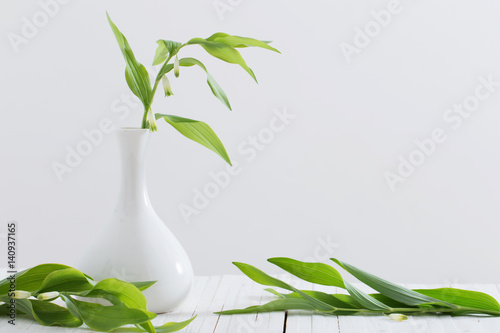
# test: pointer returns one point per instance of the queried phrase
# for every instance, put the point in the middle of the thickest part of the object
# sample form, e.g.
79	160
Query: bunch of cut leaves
391	300
37	288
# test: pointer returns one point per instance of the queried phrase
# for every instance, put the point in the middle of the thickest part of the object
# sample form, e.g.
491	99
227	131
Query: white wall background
321	180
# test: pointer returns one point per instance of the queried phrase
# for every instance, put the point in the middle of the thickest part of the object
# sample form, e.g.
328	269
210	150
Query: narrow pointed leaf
282	304
223	52
214	86
197	131
238	41
364	299
331	299
311	272
135	73
166	328
389	289
143	285
262	278
463	298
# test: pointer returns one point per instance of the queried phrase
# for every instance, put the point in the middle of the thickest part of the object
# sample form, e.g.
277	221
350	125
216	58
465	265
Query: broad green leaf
463	298
117	291
364	299
281	304
30	279
197	131
47	313
165	49
389	289
65	280
311	272
107	318
143	285
223	52
135	73
262	278
166	328
214	86
238	41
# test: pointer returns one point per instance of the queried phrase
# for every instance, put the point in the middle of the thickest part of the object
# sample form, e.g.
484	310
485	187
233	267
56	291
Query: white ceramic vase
135	244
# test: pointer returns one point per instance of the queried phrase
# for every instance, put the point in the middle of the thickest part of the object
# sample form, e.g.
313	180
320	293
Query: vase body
135	244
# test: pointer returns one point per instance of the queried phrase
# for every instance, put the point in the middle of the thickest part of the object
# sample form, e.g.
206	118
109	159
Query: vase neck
133	193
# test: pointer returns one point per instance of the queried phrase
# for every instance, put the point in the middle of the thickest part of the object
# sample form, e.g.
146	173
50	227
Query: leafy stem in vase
219	45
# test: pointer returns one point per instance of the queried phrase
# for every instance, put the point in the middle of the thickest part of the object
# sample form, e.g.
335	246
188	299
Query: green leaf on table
214	86
223	52
281	304
65	280
165	328
463	298
364	299
238	41
197	131
47	313
311	272
262	278
165	49
389	289
117	291
135	73
30	279
106	318
331	299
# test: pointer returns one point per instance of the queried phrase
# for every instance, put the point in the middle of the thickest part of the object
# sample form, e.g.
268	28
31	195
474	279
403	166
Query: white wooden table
215	293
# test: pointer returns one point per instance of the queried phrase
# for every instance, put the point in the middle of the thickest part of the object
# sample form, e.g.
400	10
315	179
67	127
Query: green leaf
463	298
164	70
238	41
106	318
214	86
262	278
65	280
166	328
135	73
30	279
364	299
117	291
282	304
223	52
389	289
165	49
47	313
311	272
331	299
197	131
143	285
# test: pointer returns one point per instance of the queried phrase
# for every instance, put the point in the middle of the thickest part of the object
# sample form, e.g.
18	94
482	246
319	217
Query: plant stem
155	87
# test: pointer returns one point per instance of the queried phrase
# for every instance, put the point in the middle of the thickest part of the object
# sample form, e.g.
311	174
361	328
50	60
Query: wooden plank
325	323
211	297
299	321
